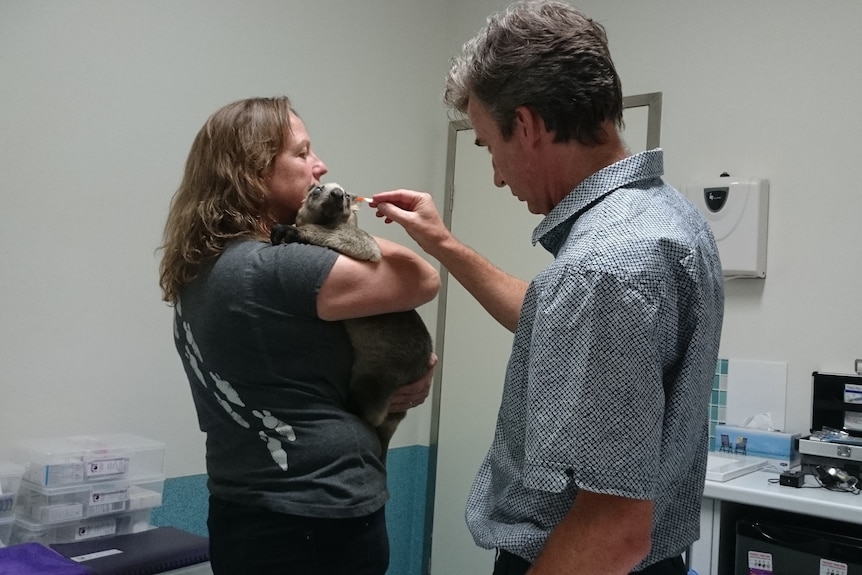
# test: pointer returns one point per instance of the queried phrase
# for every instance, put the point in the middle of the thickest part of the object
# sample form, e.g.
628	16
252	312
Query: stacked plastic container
10	483
82	487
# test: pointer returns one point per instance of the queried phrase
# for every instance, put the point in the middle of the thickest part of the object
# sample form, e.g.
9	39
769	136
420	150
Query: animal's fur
390	350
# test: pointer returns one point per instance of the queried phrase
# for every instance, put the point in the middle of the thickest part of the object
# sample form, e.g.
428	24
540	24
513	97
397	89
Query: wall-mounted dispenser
736	209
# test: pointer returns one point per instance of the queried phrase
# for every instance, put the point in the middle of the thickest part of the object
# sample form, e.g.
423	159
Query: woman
296	482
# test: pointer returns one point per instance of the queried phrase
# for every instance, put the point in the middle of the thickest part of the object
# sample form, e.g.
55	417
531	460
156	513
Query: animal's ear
284	234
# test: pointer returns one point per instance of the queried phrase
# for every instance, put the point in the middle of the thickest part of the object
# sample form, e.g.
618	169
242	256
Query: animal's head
327	205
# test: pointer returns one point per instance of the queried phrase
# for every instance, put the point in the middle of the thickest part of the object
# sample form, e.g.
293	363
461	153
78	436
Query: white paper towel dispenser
736	209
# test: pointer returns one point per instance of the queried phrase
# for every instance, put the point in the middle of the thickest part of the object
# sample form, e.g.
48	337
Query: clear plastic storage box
6	530
10	482
46	505
26	531
67	461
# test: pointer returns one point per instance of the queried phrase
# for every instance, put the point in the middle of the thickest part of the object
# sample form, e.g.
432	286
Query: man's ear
530	126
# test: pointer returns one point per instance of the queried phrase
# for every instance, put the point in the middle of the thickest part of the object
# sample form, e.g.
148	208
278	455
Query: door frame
653	103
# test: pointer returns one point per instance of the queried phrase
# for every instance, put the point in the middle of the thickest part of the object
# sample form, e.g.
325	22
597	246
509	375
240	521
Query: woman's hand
411	395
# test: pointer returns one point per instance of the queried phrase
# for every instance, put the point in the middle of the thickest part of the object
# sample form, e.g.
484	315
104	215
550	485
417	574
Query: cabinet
700	556
725	503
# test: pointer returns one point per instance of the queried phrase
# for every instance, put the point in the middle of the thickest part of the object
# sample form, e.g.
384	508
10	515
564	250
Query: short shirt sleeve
299	271
594	394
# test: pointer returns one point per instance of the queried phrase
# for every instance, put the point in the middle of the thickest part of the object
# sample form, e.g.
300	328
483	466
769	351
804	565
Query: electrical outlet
859	366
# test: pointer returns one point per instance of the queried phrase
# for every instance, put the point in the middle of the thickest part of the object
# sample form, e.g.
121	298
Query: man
599	455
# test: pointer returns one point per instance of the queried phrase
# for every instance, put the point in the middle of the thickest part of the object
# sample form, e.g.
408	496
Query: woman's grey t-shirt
269	381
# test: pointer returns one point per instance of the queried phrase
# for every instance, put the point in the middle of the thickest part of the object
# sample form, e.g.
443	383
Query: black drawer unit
765	548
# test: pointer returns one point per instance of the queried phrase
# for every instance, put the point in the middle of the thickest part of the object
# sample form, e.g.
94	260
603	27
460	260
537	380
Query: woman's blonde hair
223	195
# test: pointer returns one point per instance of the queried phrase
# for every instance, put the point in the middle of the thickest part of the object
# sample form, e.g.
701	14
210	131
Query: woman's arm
400	281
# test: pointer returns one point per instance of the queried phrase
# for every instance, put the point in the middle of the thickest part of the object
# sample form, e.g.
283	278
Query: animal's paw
284	234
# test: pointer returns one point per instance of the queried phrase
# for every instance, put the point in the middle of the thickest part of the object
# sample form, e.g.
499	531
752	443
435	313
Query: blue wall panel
184	505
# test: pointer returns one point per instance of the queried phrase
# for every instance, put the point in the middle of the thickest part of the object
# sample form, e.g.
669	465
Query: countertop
811	499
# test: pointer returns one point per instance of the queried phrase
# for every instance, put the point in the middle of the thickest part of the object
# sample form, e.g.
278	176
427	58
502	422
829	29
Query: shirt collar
554	228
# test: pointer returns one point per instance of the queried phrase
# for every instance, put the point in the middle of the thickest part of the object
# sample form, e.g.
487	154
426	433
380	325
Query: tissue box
778	448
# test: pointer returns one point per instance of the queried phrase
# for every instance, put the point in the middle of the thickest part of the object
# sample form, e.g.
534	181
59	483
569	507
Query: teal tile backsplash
718	401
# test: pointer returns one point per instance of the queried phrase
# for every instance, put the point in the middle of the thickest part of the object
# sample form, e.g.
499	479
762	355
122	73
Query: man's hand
500	293
416	213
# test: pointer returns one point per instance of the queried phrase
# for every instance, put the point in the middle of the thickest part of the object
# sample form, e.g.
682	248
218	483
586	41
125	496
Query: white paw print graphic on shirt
272	422
227	407
227	390
274	444
193	361
190	340
278	454
274	431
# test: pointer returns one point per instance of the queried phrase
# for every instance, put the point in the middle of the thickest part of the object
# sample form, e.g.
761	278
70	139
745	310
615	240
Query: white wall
761	89
99	103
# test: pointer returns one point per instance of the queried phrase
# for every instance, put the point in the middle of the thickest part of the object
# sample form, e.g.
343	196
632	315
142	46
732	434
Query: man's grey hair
545	55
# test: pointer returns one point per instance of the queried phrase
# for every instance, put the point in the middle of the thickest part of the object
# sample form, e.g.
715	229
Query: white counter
755	489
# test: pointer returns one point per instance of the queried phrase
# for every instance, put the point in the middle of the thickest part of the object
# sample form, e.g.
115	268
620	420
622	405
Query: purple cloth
36	559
